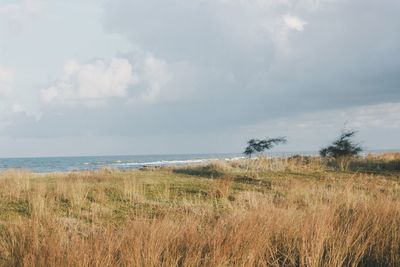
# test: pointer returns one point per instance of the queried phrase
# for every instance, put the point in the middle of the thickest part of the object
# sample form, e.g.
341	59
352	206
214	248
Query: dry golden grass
388	156
265	212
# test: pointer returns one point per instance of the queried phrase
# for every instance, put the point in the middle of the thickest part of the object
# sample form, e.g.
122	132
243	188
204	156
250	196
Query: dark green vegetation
342	149
258	146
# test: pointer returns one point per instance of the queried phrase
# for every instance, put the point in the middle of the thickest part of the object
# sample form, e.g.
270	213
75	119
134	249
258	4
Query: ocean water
64	164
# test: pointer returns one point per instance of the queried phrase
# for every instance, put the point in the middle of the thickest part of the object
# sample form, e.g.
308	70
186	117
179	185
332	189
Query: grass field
265	212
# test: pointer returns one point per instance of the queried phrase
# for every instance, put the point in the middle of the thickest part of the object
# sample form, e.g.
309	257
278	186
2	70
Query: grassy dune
279	212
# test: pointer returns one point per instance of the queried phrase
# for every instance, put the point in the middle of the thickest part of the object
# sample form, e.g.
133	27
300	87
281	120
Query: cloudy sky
100	77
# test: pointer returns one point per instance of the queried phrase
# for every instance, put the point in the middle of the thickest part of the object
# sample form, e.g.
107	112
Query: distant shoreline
93	163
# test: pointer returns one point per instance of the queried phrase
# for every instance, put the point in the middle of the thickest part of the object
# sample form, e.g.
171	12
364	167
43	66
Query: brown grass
260	213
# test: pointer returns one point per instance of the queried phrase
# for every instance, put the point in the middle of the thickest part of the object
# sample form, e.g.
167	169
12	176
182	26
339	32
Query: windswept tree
258	146
342	149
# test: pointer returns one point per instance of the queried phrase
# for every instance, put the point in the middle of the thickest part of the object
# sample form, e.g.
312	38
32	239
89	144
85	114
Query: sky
123	77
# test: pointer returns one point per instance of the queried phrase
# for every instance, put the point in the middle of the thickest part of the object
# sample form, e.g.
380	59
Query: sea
67	164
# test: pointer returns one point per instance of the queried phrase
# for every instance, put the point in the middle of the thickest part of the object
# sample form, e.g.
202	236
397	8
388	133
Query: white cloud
379	116
93	82
49	94
6	79
142	78
157	75
374	116
18	108
385	115
9	101
19	11
6	75
19	15
294	23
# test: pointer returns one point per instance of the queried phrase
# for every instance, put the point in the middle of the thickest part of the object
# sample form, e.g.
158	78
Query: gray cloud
231	64
346	54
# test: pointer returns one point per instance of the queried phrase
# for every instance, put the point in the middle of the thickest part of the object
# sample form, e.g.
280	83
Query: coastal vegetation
259	146
342	150
293	211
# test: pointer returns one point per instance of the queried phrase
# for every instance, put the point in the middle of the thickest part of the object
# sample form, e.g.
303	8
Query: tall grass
247	215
